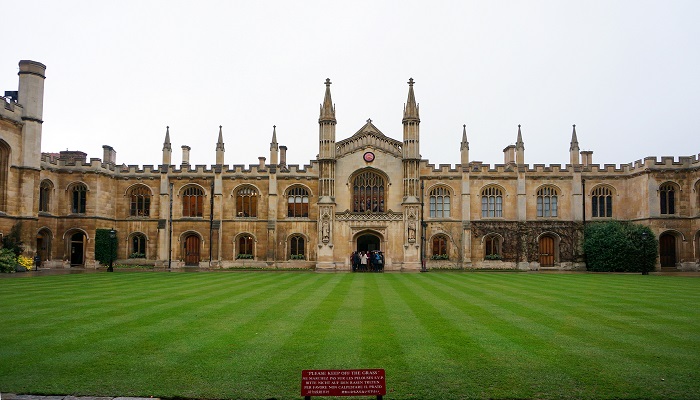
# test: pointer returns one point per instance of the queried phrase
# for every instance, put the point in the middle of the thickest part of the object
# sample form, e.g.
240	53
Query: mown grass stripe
438	335
528	320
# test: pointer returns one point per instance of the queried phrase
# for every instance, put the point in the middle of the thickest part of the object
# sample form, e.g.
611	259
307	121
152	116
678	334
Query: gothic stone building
367	191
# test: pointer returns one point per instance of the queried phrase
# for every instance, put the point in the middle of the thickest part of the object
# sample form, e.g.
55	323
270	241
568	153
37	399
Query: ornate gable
368	136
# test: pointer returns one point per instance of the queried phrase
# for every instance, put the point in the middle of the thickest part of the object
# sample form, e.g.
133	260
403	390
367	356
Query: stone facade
366	191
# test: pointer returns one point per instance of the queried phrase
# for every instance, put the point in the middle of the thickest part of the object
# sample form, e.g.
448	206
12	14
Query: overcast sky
625	72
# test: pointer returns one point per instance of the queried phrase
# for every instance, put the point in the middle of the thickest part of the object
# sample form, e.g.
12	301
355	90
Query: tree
105	246
13	240
615	246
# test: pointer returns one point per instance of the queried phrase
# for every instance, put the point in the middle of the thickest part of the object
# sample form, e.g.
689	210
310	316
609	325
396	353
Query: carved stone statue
326	231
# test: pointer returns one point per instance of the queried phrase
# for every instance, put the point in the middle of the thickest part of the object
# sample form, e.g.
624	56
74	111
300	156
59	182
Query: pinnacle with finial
166	143
519	143
220	141
574	140
465	143
327	109
410	111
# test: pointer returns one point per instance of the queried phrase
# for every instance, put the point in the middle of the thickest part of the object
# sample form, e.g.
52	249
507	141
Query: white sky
625	72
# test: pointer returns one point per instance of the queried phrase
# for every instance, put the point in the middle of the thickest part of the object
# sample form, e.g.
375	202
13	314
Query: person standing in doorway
363	261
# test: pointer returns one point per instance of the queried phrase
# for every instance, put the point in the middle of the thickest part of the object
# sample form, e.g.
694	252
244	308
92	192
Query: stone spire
465	144
327	108
464	147
519	149
574	149
274	147
220	148
167	148
410	109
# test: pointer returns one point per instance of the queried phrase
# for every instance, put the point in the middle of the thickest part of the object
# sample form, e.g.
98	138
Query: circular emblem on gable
369	156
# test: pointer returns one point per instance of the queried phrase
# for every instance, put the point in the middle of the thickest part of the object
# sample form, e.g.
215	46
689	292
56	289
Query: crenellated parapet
11	111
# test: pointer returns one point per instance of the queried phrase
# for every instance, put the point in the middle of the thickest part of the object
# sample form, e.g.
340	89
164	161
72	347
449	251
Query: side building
366	191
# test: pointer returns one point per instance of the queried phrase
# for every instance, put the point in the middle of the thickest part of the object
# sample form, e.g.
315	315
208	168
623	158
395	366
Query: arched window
547	201
298	202
439	248
601	202
4	173
192	202
45	189
492	247
440	203
368	192
667	192
247	202
140	204
245	246
138	246
79	198
296	248
491	202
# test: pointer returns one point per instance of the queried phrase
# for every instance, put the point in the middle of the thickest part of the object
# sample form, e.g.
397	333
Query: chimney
283	156
109	155
586	158
71	157
261	165
186	155
509	154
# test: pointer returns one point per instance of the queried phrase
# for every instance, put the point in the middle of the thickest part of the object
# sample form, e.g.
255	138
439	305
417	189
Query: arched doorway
547	251
368	242
191	250
77	249
667	250
43	244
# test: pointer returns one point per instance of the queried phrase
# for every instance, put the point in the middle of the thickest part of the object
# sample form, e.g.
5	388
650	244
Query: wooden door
546	251
192	250
667	251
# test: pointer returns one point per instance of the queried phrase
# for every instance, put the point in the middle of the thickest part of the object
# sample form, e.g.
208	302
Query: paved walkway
12	396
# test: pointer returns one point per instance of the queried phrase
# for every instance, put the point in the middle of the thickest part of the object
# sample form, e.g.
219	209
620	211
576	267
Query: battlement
10	109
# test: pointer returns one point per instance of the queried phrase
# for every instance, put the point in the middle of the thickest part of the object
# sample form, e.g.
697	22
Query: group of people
364	261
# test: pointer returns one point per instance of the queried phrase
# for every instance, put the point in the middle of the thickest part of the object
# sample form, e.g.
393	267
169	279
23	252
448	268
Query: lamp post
112	237
645	271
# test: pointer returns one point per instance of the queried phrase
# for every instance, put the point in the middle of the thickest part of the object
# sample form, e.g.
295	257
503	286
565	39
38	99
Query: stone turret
31	97
411	145
326	145
411	126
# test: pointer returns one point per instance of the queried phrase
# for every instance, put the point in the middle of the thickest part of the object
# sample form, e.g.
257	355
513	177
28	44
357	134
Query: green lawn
441	335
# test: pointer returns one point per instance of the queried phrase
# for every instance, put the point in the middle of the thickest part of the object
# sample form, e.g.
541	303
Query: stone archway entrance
667	250
191	250
43	244
77	249
368	242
